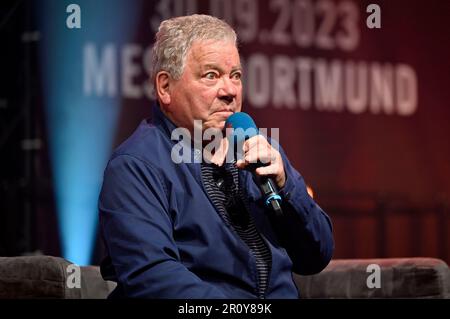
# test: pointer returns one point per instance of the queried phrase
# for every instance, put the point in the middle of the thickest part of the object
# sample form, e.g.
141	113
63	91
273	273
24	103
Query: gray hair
175	37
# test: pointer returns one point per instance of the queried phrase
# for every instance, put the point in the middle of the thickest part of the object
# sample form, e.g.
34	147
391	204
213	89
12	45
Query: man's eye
236	76
211	76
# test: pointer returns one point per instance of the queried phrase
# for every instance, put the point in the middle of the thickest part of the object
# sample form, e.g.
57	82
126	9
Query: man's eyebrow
236	68
217	67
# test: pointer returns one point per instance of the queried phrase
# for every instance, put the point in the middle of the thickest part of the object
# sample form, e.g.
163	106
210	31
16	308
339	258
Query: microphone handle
270	193
275	205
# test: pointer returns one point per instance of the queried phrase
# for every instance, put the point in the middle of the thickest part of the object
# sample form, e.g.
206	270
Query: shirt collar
161	120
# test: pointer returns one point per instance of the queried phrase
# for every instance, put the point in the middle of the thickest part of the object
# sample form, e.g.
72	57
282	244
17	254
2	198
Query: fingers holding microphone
258	150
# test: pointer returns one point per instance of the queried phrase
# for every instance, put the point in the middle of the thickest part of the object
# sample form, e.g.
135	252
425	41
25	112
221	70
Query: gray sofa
53	277
50	277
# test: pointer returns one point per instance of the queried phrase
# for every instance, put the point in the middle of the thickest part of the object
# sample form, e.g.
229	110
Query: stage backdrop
363	111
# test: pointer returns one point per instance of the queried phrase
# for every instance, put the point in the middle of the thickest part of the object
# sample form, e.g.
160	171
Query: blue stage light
80	126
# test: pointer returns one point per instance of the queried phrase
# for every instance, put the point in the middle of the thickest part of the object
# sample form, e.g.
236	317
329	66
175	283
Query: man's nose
227	88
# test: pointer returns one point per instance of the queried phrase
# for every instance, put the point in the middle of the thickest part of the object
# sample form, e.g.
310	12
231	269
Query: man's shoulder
148	143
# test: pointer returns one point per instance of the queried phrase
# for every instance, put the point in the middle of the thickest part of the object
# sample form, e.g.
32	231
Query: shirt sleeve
137	228
304	230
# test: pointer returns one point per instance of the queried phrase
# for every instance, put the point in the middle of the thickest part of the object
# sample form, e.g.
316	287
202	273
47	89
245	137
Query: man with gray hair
200	229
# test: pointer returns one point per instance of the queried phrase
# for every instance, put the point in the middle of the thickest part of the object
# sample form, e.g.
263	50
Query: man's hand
257	149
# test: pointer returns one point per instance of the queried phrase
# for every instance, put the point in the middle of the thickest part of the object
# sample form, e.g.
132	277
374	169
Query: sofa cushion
92	284
399	278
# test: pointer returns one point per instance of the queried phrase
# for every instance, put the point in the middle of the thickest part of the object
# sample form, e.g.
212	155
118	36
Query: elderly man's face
210	87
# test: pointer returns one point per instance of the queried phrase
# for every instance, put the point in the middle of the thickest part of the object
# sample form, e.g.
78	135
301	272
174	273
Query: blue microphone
243	127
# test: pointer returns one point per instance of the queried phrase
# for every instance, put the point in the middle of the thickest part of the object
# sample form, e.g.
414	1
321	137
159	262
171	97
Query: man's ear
162	87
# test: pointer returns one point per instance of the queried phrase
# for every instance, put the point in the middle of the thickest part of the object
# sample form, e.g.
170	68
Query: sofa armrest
35	277
48	277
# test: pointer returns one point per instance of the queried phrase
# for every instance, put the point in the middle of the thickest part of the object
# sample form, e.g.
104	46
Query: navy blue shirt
165	238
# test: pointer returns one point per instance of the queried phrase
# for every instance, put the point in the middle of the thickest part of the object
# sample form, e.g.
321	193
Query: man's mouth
225	111
225	114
